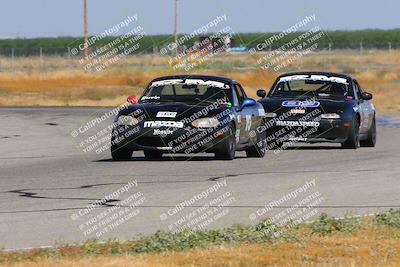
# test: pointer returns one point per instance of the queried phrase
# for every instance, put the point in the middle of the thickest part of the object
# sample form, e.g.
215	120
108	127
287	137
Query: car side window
243	92
357	89
240	94
234	97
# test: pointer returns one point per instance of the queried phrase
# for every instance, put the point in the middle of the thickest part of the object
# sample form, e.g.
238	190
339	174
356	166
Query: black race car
190	114
318	107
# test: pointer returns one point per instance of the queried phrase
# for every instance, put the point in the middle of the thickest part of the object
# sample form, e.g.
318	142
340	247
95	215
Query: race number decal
166	114
248	123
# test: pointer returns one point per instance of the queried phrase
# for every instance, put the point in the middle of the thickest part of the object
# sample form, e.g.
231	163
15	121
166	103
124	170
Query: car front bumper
328	130
170	140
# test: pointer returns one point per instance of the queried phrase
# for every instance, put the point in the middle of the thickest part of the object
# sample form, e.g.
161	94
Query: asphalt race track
46	179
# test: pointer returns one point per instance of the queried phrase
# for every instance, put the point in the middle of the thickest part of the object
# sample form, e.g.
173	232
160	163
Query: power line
176	25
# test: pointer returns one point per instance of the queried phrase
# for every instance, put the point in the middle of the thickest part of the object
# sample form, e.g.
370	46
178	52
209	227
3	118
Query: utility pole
85	29
176	26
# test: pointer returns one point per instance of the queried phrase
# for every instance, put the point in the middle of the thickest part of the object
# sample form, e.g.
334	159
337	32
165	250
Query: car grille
154	141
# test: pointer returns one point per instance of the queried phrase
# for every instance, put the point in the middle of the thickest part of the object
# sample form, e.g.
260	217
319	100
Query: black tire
227	147
273	143
152	154
371	139
120	153
352	141
258	149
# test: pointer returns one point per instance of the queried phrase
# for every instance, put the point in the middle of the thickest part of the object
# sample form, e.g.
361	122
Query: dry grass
68	88
374	247
60	81
327	241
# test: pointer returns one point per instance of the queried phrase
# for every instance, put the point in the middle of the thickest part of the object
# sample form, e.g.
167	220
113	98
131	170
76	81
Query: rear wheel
371	139
120	153
227	147
152	154
258	149
352	141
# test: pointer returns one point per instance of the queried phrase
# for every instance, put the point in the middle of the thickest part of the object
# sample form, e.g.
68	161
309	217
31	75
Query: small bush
162	241
326	225
390	218
262	232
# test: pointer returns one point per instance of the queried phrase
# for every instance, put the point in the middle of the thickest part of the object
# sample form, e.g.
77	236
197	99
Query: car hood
173	111
281	105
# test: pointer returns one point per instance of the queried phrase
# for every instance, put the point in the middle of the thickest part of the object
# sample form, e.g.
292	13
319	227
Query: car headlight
330	116
127	120
270	114
205	123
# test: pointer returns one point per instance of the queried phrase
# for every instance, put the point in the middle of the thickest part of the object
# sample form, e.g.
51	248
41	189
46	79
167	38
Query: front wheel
371	139
227	147
258	149
352	141
120	153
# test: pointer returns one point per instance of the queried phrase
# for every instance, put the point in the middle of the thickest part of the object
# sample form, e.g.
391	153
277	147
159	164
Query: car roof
341	75
201	77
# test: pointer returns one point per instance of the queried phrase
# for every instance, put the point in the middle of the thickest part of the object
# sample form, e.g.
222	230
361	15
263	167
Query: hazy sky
45	18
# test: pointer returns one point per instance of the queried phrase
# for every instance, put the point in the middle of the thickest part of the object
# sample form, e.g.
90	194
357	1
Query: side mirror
366	96
261	93
247	103
132	99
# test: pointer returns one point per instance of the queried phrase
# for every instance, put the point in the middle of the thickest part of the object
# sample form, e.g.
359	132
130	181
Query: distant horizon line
171	34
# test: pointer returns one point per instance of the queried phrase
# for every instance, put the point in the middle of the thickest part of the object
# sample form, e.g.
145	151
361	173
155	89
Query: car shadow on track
171	158
314	148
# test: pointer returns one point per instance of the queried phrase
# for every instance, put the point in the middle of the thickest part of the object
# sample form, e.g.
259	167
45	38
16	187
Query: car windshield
326	87
187	93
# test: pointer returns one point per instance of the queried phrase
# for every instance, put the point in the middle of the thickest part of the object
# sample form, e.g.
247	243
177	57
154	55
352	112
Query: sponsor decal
162	132
225	104
323	94
155	97
248	123
166	82
166	114
298	123
164	147
158	124
322	78
297	139
297	111
208	83
237	135
305	104
191	82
